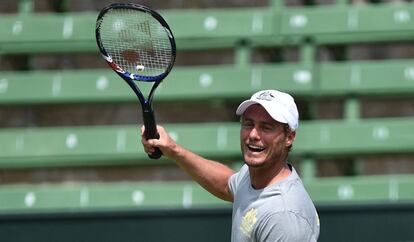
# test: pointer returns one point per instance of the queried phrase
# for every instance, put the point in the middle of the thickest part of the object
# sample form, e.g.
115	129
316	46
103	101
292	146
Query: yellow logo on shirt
248	221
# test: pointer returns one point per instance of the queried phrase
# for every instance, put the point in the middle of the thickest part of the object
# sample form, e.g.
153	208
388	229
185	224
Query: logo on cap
267	96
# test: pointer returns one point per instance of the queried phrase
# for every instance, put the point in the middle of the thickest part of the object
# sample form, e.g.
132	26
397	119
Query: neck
262	177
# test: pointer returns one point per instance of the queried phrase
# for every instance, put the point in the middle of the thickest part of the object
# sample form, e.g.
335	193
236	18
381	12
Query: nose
254	134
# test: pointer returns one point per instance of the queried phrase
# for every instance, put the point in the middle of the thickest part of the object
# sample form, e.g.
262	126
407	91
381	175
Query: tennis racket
139	46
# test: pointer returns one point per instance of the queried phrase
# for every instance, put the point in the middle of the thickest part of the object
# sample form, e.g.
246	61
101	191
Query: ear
290	138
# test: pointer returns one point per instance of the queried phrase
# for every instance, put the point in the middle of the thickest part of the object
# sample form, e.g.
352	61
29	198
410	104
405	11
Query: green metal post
26	6
243	55
352	109
308	168
277	4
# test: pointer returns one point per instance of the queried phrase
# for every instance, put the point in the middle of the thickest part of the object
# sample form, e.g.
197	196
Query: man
270	202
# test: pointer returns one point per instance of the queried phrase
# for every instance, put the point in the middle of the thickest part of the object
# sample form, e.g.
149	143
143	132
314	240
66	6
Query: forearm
211	175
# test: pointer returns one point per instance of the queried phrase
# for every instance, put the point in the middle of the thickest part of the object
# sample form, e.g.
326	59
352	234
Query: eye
268	128
247	124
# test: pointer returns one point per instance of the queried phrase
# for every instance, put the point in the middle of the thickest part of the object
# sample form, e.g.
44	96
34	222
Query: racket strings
136	42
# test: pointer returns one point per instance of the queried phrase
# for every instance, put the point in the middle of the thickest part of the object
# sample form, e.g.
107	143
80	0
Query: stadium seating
237	29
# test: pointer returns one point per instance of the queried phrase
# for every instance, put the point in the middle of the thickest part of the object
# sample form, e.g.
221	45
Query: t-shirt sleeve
236	178
285	226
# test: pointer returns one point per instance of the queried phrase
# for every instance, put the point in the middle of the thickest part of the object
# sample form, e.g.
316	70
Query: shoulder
238	178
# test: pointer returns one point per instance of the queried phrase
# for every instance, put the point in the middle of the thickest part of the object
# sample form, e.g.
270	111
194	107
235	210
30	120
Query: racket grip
151	132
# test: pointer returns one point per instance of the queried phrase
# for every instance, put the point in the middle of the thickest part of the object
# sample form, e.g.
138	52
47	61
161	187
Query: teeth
255	148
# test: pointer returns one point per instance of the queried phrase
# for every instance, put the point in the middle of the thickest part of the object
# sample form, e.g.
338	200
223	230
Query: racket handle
151	132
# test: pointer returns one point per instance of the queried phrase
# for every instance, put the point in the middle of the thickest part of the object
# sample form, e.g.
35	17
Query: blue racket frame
130	78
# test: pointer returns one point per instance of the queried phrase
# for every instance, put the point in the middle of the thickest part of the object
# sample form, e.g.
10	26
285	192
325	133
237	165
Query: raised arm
211	175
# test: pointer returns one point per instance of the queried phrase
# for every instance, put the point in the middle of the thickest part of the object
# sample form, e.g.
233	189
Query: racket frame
130	78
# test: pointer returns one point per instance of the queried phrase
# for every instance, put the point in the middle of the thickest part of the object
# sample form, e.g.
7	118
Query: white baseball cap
279	105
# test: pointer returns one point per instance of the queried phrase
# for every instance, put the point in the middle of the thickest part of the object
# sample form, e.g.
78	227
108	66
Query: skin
211	175
264	145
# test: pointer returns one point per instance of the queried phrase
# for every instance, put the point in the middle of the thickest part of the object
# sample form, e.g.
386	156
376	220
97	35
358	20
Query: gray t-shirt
280	212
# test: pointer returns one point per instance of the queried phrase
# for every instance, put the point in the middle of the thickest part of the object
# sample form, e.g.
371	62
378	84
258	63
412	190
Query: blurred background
71	164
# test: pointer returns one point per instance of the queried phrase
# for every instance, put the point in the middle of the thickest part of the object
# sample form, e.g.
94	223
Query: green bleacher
243	31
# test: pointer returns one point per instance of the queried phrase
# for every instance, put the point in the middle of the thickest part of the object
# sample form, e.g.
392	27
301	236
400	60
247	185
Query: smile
255	148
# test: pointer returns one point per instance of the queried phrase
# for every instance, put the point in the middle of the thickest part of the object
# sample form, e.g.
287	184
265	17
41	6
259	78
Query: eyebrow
272	122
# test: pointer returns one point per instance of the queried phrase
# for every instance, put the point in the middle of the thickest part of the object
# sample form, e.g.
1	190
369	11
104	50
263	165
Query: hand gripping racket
139	46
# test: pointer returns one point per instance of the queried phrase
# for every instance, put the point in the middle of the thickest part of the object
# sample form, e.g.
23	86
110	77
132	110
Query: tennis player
270	202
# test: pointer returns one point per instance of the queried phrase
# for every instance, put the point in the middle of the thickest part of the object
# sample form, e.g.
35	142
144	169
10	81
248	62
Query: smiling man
270	202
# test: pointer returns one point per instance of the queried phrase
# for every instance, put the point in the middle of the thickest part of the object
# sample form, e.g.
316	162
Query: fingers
149	144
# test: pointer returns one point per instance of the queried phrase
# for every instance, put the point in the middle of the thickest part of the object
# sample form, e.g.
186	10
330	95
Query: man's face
263	140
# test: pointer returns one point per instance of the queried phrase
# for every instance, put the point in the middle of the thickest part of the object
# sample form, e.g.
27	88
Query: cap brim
246	104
